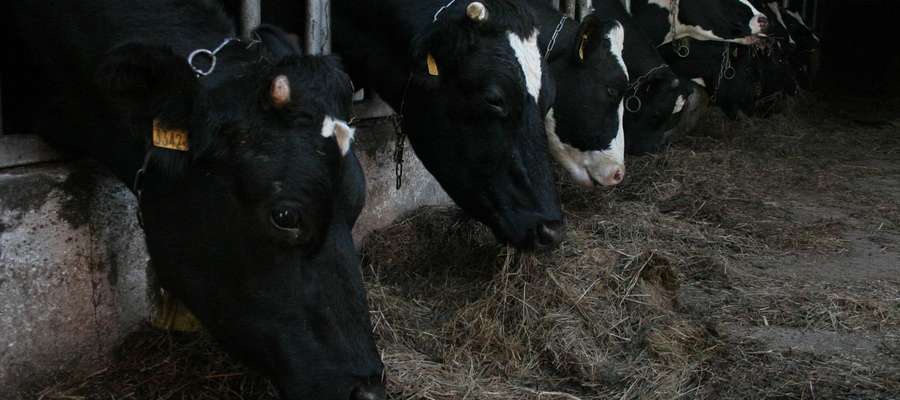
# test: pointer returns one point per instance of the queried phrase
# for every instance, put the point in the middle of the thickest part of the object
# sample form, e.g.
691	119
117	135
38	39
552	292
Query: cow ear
153	90
588	38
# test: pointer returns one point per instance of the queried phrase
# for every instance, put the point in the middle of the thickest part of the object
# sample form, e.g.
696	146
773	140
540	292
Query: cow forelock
529	57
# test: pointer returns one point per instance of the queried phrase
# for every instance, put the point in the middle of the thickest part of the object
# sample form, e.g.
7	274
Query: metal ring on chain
729	73
633	104
683	50
198	70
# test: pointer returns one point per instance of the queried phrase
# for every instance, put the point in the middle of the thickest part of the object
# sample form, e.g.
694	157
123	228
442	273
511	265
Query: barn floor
756	259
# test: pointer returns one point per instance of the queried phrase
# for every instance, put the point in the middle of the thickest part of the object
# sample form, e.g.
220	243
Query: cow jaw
606	167
529	57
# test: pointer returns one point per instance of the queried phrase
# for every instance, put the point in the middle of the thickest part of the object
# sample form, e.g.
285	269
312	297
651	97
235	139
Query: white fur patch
800	20
342	133
699	81
679	104
585	167
616	38
529	57
755	27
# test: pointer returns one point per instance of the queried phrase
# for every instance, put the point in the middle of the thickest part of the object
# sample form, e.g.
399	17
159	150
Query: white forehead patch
616	38
342	133
679	104
529	57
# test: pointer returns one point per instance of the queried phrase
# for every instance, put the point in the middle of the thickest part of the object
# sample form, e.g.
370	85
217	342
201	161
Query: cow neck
397	118
726	71
633	103
673	18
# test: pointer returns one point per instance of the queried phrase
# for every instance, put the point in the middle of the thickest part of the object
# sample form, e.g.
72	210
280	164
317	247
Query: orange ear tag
172	139
584	39
432	65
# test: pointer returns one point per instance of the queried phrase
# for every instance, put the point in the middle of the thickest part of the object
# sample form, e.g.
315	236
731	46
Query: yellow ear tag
584	39
172	139
432	65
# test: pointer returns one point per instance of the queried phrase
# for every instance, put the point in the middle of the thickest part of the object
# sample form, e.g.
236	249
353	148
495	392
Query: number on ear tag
172	139
432	65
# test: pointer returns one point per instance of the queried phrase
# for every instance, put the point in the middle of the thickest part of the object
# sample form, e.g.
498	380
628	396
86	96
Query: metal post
251	16
318	27
583	8
567	7
555	4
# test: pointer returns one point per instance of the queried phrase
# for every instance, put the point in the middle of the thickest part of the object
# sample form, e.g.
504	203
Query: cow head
248	198
736	21
473	111
653	108
584	127
805	58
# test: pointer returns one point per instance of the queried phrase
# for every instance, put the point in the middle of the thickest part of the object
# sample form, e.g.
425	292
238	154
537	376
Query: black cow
244	177
726	70
735	21
656	96
584	127
471	87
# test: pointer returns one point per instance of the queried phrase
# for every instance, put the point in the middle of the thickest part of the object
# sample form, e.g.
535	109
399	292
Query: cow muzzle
368	392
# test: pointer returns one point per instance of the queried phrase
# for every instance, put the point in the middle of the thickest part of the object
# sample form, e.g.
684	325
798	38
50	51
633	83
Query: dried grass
633	305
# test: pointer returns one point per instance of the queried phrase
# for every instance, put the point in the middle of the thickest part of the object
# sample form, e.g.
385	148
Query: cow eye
286	218
495	101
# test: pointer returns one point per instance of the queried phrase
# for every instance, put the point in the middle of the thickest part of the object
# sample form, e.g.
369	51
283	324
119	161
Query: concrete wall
73	279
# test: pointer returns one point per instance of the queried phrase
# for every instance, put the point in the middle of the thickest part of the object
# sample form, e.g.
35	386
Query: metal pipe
583	8
567	7
251	17
318	27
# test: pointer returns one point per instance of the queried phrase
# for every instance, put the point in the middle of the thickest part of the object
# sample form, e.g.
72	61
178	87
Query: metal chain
634	87
400	144
212	57
440	10
724	67
552	43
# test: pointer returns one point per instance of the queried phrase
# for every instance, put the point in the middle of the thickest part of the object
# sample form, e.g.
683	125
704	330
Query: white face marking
616	38
585	167
755	26
679	104
800	20
627	4
699	81
777	11
529	57
342	133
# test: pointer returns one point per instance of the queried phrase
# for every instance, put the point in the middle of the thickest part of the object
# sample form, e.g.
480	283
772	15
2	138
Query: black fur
648	129
289	302
491	159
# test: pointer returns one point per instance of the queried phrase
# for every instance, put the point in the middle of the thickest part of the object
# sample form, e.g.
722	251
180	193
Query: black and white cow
735	21
242	168
585	126
805	58
472	89
656	96
726	70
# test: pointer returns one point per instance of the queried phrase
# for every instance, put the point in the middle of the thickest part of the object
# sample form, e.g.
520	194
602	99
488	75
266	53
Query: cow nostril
763	22
618	176
549	235
368	392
